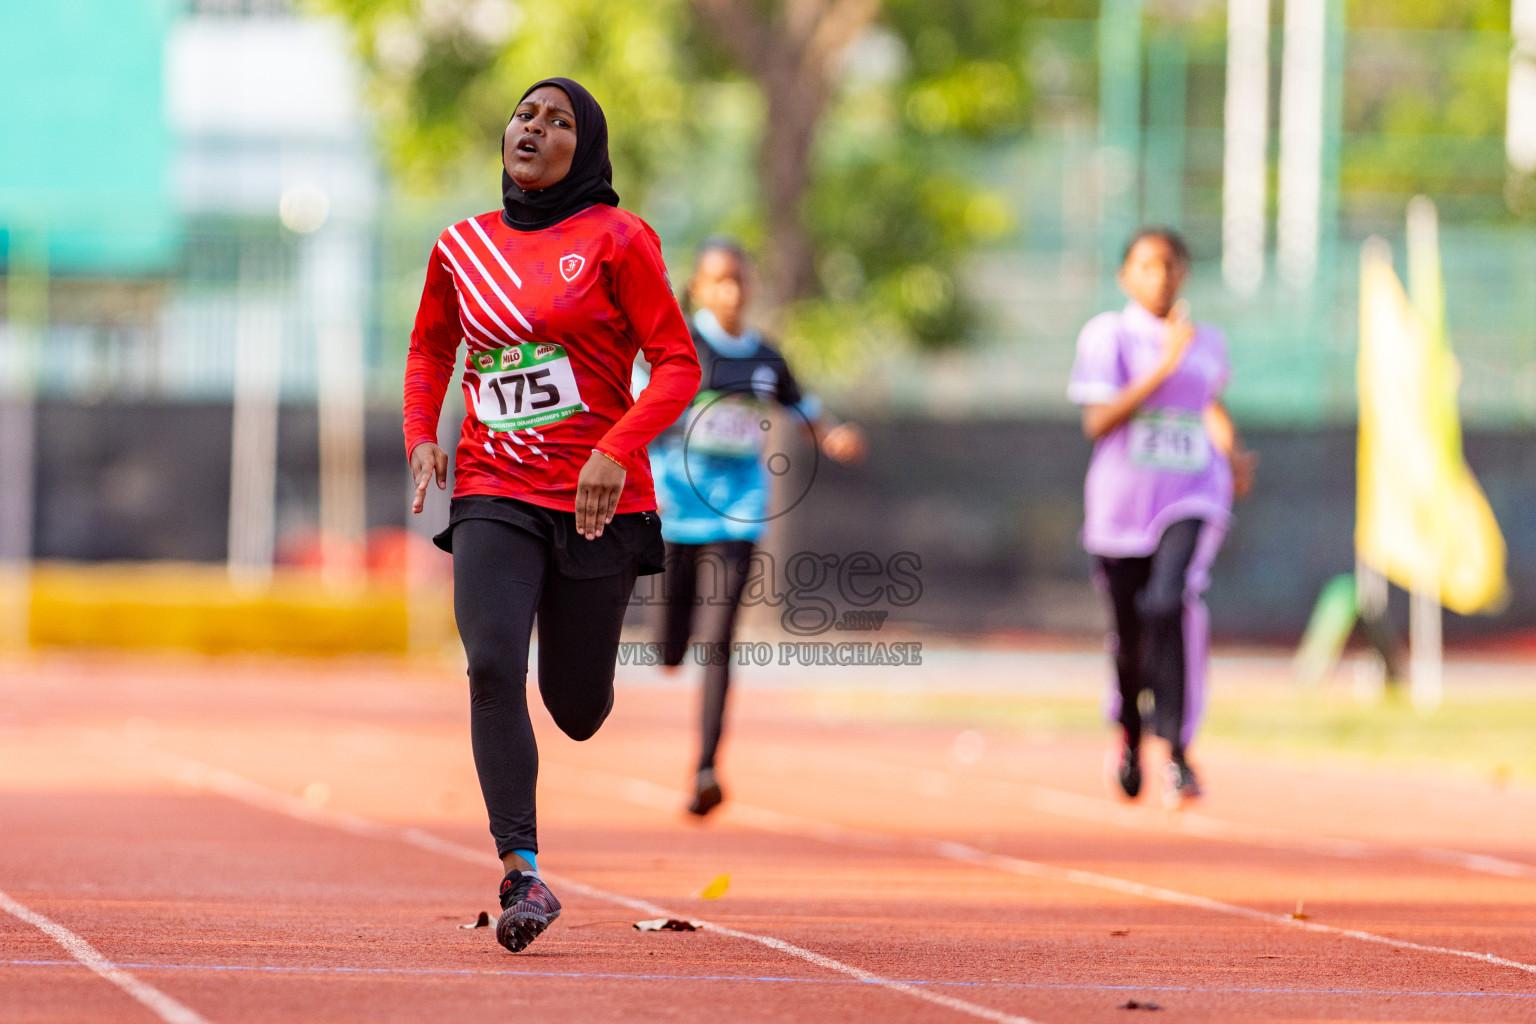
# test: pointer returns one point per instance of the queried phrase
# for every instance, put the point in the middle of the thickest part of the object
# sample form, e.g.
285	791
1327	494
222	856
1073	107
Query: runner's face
720	285
1153	275
541	140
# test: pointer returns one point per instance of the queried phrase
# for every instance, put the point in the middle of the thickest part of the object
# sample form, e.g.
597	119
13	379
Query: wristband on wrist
611	458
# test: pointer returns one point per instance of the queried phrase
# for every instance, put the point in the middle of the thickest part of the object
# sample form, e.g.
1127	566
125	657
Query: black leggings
722	568
1146	596
501	577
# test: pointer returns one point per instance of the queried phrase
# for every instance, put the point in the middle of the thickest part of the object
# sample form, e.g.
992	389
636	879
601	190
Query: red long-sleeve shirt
552	320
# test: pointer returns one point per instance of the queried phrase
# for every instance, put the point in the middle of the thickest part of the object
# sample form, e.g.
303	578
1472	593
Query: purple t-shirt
1159	466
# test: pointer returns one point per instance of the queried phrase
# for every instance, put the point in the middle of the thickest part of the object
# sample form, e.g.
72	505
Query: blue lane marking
592	975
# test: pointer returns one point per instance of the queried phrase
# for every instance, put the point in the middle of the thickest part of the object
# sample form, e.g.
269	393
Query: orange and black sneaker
527	908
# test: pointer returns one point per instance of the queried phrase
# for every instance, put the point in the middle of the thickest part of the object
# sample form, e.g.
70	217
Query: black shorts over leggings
503	575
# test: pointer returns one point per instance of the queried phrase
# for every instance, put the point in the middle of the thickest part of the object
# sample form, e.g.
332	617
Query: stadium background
159	189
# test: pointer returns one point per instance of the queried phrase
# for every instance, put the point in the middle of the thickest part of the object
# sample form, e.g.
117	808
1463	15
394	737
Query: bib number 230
525	386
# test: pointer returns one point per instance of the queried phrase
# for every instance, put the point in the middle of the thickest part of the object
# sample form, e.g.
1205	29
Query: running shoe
1128	771
1179	783
527	908
706	793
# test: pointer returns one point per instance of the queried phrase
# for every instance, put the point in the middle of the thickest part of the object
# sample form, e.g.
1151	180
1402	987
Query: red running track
276	841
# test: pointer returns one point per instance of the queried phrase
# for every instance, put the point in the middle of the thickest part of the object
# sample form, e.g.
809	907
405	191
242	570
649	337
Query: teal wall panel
85	149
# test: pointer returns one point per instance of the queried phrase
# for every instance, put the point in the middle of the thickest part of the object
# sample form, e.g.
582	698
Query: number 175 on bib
524	386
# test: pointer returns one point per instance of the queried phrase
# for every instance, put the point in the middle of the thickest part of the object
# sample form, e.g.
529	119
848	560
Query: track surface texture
276	841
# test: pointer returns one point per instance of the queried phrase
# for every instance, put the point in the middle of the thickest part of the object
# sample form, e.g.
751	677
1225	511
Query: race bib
525	386
731	426
1170	439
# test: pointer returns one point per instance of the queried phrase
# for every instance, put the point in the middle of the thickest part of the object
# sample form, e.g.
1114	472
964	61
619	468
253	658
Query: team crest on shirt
511	357
570	265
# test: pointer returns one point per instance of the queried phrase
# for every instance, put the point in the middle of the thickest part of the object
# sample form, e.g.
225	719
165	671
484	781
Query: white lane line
198	775
649	794
1475	862
1062	803
162	1005
969	854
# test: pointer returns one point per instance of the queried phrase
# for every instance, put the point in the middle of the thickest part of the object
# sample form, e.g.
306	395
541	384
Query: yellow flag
1421	520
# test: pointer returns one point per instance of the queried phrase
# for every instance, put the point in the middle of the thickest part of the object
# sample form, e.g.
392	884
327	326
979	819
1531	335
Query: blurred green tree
444	75
867	116
899	199
1443	15
1424	105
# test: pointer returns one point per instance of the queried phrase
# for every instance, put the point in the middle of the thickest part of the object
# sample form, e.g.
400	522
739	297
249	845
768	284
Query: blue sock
532	859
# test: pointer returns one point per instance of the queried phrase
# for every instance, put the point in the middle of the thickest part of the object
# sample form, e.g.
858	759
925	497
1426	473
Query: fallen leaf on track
1131	1004
1121	931
483	921
668	924
714	890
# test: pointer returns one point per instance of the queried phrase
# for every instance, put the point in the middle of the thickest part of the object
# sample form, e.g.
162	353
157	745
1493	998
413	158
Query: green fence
1404	131
1409	124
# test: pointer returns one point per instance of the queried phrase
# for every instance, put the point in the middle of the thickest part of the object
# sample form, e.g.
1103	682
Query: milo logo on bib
525	386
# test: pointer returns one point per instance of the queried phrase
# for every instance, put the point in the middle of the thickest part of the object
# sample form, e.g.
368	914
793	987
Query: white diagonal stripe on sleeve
484	333
490	279
495	252
466	312
532	448
465	281
480	328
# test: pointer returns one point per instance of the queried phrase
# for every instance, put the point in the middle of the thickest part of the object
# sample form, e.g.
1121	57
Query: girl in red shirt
553	509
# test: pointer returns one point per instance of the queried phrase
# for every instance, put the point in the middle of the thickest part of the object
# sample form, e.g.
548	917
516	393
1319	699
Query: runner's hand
844	443
1178	335
427	461
1244	464
597	494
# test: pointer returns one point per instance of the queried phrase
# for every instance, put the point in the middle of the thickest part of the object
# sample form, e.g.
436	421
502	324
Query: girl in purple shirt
1166	462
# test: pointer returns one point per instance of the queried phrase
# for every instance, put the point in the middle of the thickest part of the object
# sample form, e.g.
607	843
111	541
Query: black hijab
589	181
